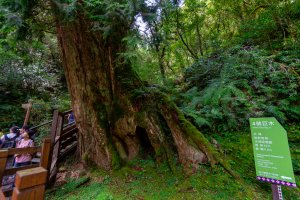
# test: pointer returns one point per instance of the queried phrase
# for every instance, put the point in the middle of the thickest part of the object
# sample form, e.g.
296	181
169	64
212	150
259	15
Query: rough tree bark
118	117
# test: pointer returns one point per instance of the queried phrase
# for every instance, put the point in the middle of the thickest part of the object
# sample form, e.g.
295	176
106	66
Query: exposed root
191	144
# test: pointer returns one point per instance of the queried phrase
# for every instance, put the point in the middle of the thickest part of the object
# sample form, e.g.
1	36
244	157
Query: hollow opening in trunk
146	148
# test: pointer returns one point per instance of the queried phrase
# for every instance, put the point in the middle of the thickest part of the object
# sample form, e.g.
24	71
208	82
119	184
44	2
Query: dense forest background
221	62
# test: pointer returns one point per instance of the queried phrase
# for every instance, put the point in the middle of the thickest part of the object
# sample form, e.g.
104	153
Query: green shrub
229	88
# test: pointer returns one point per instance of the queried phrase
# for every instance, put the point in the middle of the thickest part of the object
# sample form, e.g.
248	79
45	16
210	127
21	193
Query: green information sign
271	152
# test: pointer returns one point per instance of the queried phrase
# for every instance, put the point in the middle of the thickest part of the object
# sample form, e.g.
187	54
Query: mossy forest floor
143	179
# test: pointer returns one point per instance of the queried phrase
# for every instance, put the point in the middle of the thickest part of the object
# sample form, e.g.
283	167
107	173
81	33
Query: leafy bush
227	89
274	25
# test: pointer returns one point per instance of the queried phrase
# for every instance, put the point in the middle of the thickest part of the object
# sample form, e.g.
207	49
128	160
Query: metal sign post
277	192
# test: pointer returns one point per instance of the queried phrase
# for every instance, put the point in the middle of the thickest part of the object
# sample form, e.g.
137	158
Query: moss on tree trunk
117	116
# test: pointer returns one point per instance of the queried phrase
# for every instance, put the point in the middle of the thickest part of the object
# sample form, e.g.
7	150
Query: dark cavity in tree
146	148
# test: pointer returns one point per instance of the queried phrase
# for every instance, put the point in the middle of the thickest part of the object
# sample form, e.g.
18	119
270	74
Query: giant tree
117	114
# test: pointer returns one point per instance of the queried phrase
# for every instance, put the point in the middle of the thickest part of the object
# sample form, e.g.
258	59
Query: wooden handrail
29	150
49	122
66	112
42	124
12	171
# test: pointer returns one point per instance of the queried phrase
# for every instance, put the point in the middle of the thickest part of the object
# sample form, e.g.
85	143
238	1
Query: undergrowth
145	179
223	91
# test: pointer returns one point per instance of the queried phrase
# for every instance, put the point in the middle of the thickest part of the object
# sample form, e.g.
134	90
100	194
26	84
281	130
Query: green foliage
274	25
230	87
42	111
294	140
29	69
91	192
144	179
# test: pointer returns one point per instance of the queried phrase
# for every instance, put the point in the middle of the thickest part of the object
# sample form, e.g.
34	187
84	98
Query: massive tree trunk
118	117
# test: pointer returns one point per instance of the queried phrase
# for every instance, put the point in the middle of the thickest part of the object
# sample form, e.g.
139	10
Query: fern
243	84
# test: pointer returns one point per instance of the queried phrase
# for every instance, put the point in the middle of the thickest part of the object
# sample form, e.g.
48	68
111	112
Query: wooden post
30	184
27	106
45	155
57	126
54	126
3	159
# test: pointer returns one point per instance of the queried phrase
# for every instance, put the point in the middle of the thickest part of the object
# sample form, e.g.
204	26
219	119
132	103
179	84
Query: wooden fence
62	141
6	153
30	184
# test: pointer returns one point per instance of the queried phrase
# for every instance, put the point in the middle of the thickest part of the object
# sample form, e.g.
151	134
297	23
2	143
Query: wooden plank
68	134
40	125
45	157
12	171
53	164
68	141
67	112
67	151
55	148
34	193
3	159
54	125
29	150
52	177
3	153
69	124
59	125
28	107
53	138
30	177
55	151
68	128
56	140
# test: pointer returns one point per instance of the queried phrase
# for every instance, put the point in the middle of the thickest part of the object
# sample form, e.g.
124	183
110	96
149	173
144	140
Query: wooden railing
63	139
30	184
6	153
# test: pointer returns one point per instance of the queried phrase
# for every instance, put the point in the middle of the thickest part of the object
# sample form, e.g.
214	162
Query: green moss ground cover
144	179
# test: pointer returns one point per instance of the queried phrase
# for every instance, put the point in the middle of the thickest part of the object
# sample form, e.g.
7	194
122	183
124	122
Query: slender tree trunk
193	54
199	39
161	55
117	116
